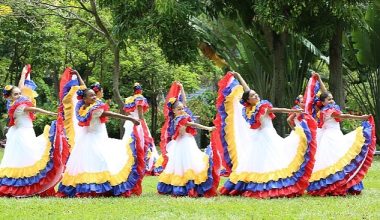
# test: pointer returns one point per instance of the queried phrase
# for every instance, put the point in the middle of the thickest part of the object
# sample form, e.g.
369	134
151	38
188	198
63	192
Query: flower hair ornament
171	103
96	87
7	90
80	94
137	88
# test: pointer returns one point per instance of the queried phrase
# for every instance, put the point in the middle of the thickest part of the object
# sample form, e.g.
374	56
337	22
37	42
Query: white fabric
261	150
332	144
22	148
95	152
183	155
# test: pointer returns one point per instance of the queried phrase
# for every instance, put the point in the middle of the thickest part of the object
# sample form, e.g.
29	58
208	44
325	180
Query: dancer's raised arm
81	82
242	81
23	77
322	85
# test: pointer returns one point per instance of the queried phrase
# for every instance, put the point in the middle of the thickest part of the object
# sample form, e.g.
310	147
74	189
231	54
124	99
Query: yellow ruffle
159	161
102	177
131	99
253	176
69	111
230	128
28	92
34	169
177	180
354	150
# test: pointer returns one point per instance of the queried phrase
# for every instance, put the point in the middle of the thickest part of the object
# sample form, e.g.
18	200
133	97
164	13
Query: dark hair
323	96
245	96
82	93
96	87
7	90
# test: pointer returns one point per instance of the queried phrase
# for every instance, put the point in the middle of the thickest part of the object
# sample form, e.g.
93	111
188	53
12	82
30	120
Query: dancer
31	164
187	170
341	160
262	163
97	165
137	105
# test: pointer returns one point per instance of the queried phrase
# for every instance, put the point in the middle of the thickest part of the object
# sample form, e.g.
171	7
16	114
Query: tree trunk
279	80
335	67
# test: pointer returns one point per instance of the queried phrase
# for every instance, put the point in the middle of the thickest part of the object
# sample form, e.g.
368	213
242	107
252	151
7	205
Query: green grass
150	205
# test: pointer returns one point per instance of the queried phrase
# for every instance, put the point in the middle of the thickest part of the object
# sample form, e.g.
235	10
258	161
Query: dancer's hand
24	70
213	128
74	72
236	74
53	114
316	74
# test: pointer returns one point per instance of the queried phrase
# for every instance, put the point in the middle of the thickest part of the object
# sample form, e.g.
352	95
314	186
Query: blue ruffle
352	166
222	111
281	183
30	83
68	85
106	187
356	188
27	181
201	189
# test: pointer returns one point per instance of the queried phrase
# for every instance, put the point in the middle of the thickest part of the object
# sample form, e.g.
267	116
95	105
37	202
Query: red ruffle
13	108
143	104
137	190
182	123
222	84
217	161
103	119
174	91
341	187
263	109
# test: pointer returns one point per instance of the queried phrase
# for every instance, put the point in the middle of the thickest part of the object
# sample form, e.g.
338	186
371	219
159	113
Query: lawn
150	205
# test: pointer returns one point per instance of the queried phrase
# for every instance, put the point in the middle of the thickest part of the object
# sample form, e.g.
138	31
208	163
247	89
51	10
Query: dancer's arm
183	94
322	85
242	81
196	125
39	110
81	82
348	116
23	76
284	110
120	116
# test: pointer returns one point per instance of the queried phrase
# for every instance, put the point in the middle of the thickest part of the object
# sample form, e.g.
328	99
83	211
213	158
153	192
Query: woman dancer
187	170
98	165
263	164
31	164
341	160
137	105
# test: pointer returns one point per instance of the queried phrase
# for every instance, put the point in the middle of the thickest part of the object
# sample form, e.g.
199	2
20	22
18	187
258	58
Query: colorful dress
97	165
341	161
31	164
188	171
262	163
151	154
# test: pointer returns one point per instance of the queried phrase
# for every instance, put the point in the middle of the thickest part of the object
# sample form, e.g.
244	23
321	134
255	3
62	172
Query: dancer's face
301	101
100	94
16	93
253	98
90	97
328	100
179	109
